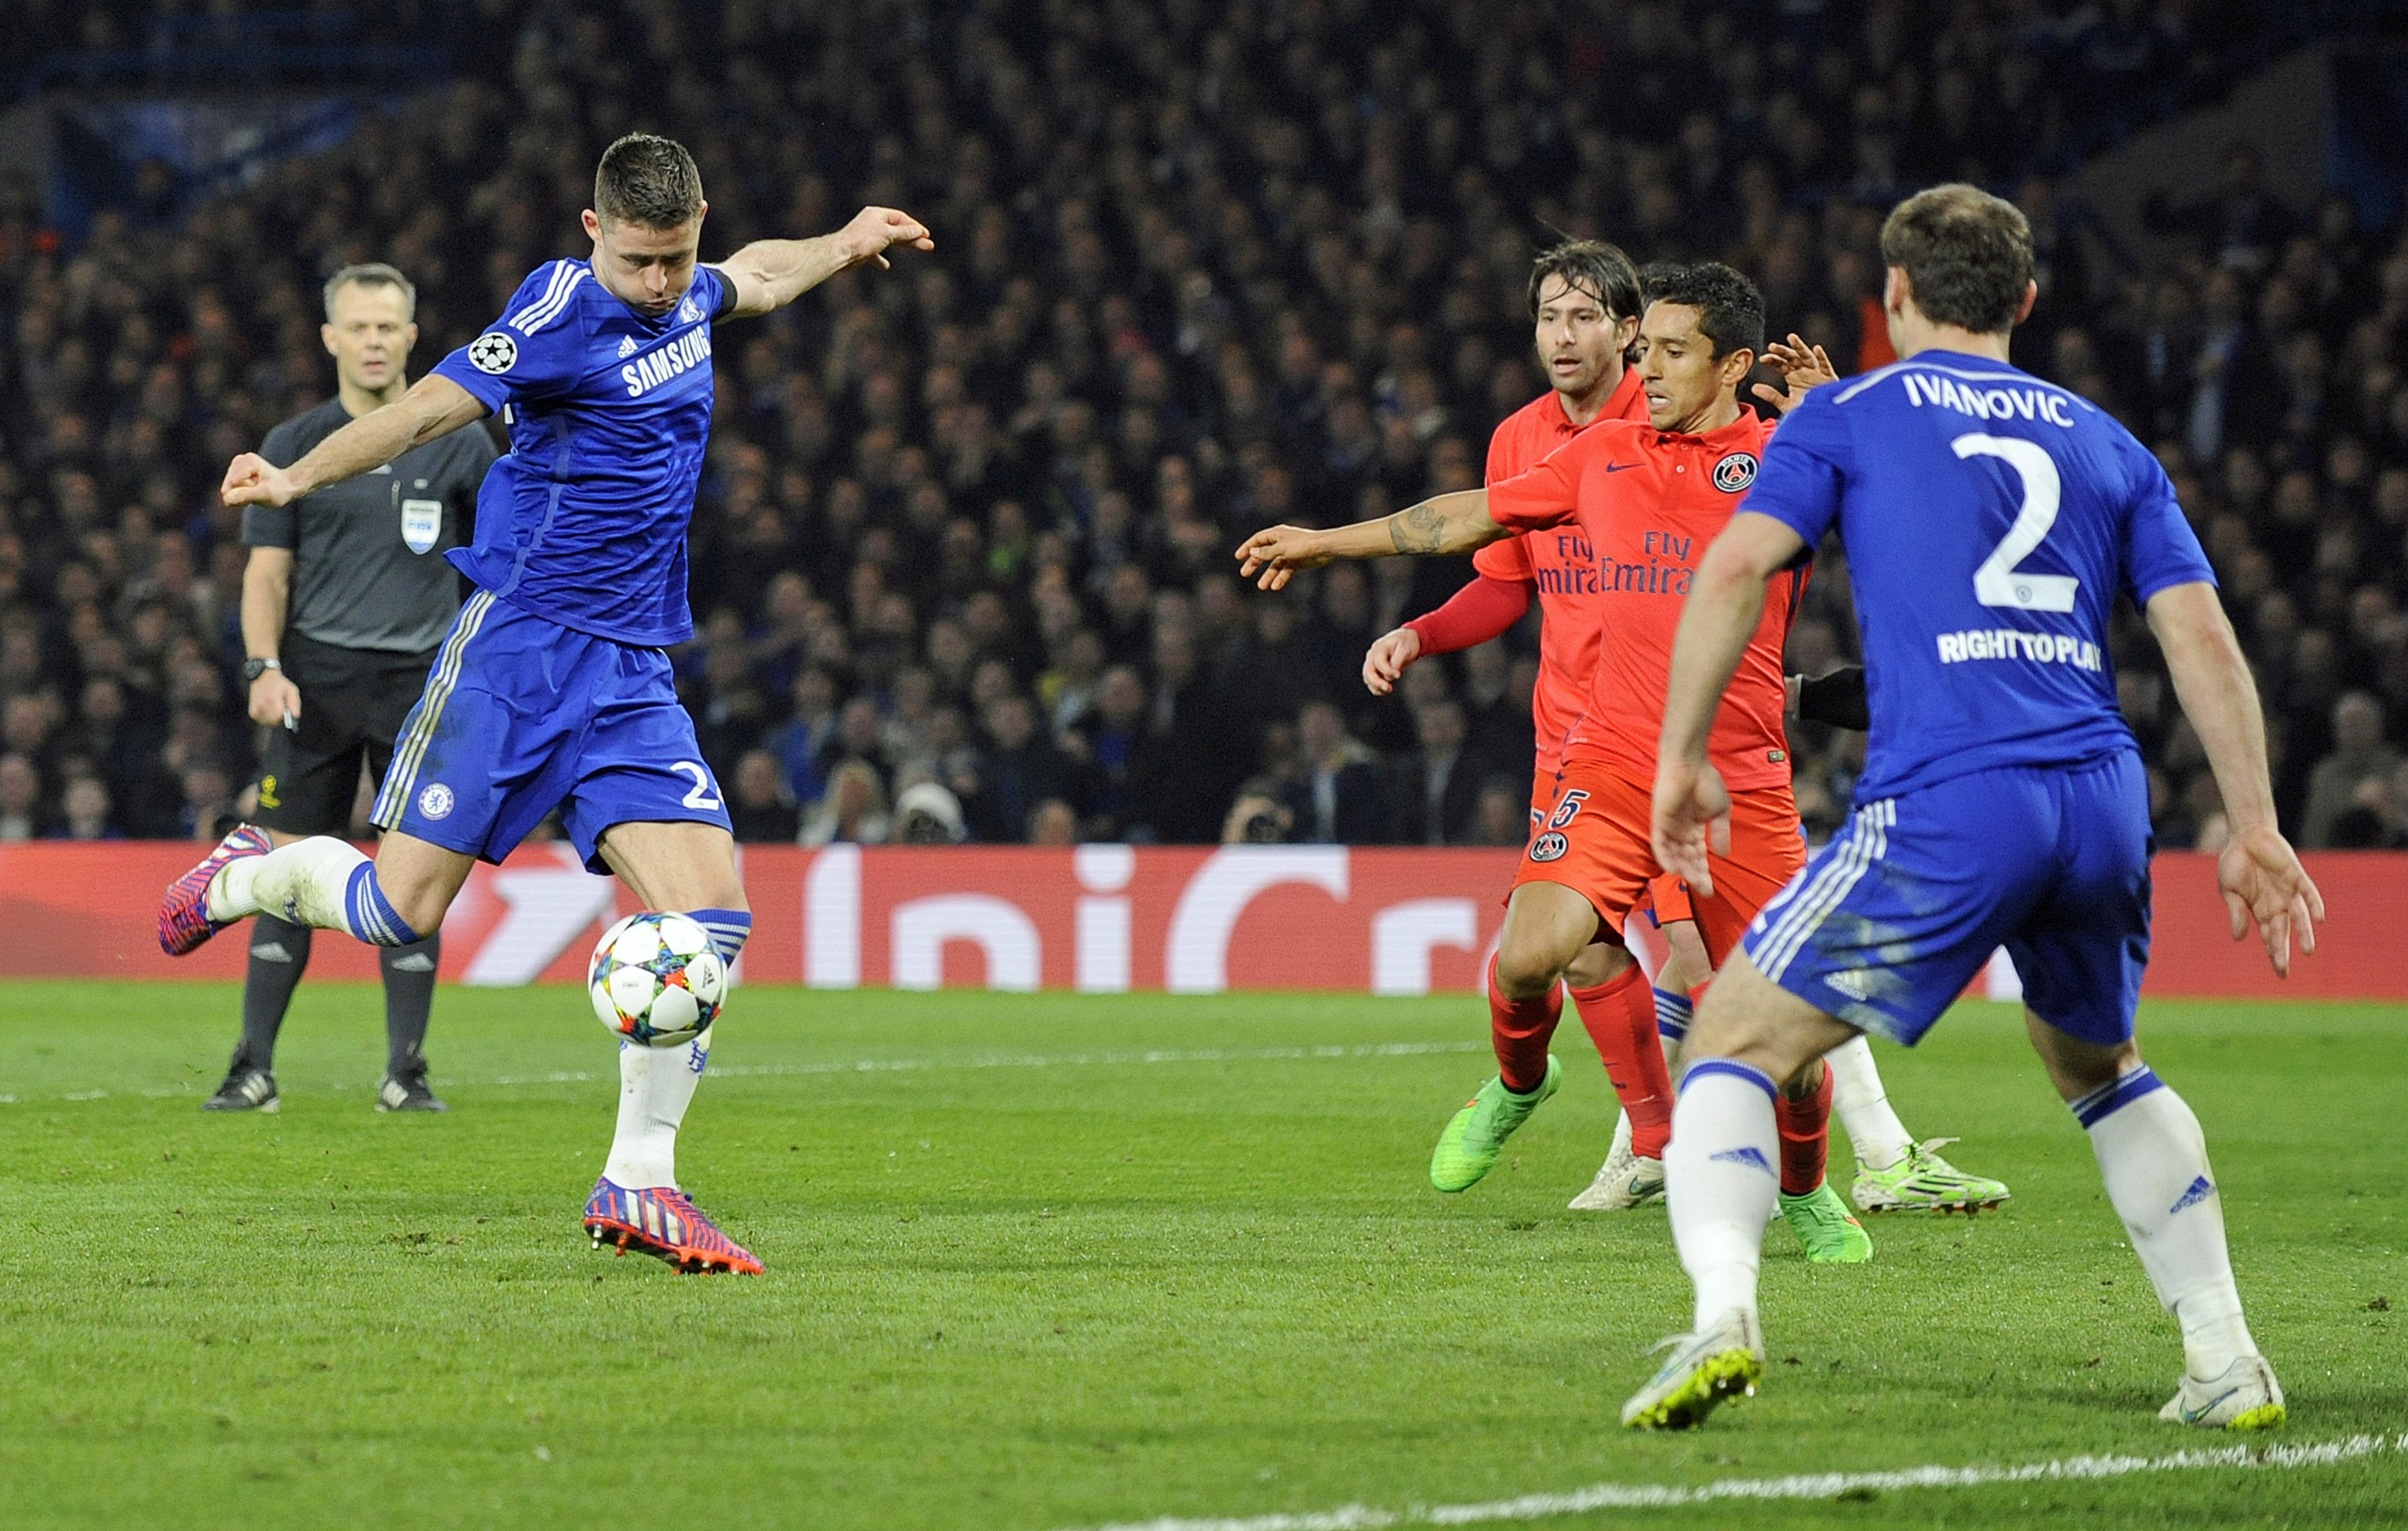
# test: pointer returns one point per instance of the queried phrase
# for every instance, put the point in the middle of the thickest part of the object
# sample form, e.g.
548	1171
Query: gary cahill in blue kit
553	690
1990	520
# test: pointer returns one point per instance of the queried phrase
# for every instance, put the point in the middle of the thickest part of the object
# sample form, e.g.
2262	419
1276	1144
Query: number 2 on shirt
1996	582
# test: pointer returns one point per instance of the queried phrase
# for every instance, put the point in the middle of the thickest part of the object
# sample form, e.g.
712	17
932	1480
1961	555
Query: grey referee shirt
368	570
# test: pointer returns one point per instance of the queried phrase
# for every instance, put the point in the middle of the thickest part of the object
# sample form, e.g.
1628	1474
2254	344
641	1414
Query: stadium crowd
967	525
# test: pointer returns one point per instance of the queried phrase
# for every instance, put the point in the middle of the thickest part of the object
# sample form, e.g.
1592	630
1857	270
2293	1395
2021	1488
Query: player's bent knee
1599	962
2077	1067
1528	967
1746	1016
419	879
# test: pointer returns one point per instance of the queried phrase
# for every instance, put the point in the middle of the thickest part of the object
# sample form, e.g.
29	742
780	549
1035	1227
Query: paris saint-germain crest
1735	472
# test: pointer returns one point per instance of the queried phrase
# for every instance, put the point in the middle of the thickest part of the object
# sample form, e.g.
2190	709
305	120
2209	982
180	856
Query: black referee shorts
353	702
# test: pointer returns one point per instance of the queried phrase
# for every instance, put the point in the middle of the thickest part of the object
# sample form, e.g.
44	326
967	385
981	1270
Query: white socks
304	883
655	1086
1862	1105
1721	1179
2154	1159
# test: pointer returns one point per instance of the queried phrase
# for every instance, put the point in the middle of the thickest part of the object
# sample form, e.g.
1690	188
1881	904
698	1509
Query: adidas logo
1750	1156
417	961
627	345
1849	982
271	952
2200	1189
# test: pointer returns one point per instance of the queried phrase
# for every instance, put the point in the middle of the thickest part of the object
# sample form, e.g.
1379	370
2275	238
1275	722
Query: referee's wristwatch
253	668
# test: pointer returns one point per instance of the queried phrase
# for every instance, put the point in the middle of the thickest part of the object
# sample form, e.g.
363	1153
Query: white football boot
1724	1360
1626	1179
2244	1398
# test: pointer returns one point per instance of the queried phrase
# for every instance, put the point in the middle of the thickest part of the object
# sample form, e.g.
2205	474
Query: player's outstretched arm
771	273
1719	618
1444	524
2259	873
434	406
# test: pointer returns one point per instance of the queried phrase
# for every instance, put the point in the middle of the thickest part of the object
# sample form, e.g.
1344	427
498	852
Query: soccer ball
656	979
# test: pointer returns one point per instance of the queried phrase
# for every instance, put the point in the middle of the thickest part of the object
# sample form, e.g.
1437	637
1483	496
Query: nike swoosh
1616	468
2193	1416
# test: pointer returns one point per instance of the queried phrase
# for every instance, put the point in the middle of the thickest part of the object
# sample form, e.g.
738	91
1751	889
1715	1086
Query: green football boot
1923	1181
1831	1233
1468	1149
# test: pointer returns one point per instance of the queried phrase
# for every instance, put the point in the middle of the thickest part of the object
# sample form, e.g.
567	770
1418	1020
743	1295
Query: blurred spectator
1337	795
1503	815
83	811
21	794
927	815
209	808
1054	822
2360	756
758	805
1259	816
1436	789
808	734
854	812
1019	769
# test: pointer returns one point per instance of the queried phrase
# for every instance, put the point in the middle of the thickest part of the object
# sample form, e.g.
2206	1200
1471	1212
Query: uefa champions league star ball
656	979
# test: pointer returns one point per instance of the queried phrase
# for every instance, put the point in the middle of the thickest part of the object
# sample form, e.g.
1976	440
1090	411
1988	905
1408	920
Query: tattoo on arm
1419	529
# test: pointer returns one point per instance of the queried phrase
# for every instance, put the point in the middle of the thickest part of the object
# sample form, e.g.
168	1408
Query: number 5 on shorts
1567	808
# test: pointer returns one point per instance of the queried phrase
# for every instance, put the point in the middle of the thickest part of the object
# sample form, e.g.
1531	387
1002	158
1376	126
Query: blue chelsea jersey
584	521
1989	519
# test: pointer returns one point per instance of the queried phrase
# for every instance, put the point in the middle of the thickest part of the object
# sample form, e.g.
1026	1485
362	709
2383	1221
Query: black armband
1837	698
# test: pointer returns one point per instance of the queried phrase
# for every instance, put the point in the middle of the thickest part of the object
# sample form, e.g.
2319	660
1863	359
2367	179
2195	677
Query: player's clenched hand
1388	658
1276	553
2262	880
1692	810
253	479
874	231
1802	367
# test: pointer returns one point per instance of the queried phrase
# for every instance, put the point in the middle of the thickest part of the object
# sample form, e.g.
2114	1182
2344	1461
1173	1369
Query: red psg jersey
1650	502
1557	563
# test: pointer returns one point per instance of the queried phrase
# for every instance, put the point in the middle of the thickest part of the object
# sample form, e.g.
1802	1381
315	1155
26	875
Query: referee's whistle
292	724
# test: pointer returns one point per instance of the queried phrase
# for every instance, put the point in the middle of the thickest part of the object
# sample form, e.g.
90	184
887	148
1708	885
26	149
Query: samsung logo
679	356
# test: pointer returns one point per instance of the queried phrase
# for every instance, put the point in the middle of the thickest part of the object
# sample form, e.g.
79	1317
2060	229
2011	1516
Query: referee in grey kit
344	602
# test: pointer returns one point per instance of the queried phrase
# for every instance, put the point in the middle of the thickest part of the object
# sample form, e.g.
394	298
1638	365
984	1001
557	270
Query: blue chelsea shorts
1889	923
522	715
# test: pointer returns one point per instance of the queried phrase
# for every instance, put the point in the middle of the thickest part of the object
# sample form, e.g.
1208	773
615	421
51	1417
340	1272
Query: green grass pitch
1042	1262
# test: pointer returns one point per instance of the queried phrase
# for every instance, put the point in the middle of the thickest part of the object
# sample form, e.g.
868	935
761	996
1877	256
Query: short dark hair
647	181
1967	254
1730	312
1593	267
371	274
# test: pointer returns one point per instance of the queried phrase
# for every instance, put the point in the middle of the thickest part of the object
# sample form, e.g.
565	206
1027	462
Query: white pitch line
891	1065
1826	1485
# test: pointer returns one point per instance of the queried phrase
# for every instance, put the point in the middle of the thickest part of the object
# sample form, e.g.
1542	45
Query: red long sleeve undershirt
1481	610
